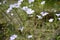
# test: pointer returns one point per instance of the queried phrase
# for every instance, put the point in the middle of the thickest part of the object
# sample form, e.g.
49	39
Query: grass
41	29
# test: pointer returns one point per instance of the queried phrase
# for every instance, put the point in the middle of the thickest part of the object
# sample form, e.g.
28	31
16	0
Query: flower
39	17
43	2
9	9
25	8
21	28
15	5
43	13
58	18
30	1
11	6
28	10
19	1
58	15
29	36
51	20
13	37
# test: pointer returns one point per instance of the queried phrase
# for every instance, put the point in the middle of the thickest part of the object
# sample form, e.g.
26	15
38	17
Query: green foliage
41	29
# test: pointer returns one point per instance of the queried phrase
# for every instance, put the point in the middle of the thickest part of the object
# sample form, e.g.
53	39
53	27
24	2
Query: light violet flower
43	2
58	18
25	8
13	37
19	2
30	1
43	13
58	15
39	17
51	20
30	36
16	5
9	9
30	11
11	5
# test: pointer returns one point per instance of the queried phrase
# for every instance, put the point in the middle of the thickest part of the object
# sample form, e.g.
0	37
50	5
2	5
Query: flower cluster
42	15
15	5
58	16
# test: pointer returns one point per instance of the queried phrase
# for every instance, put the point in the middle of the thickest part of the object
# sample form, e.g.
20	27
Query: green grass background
40	29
